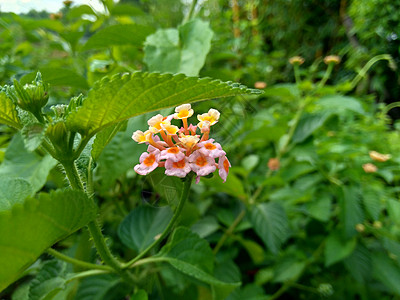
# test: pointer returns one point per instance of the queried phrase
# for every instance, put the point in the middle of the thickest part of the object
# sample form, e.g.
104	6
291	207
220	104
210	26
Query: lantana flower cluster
181	150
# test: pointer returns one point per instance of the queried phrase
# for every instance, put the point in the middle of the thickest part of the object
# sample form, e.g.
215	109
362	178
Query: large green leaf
29	229
337	248
191	255
13	190
121	34
386	271
8	112
271	224
308	124
140	228
181	50
118	98
19	163
351	212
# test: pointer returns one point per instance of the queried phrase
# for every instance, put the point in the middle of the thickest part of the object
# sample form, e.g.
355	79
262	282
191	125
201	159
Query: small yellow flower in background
260	85
370	168
296	60
274	164
180	150
379	156
332	59
377	224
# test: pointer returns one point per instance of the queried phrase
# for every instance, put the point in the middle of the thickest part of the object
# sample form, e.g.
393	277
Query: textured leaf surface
352	212
29	229
102	287
271	224
13	190
387	271
115	99
33	135
19	163
8	112
121	34
139	229
181	50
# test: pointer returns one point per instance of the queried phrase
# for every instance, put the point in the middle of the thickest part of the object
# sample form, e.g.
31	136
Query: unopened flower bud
296	60
274	164
369	168
332	59
360	227
379	157
67	3
377	224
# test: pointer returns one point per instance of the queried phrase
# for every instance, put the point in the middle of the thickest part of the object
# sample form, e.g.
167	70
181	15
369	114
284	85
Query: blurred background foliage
307	212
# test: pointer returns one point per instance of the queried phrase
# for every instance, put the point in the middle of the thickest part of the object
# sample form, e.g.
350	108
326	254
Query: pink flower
148	162
223	166
202	165
209	148
179	168
174	154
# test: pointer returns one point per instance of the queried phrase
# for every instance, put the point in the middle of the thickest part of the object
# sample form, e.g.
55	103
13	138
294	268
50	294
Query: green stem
182	200
229	231
390	106
77	262
89	183
296	68
189	16
368	65
94	227
86	274
326	75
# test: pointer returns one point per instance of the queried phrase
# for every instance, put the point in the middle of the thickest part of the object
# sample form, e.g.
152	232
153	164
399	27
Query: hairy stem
182	200
77	262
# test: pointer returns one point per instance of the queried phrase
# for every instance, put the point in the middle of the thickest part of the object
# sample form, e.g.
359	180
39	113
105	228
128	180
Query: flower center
210	146
180	164
201	161
173	150
149	160
226	165
183	114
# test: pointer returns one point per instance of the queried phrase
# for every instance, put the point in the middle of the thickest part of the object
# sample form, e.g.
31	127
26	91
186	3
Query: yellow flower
296	60
212	116
370	168
332	59
156	122
183	111
141	137
170	129
379	156
188	141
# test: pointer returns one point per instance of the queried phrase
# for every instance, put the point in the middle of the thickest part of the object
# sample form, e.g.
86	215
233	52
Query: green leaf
320	208
359	264
249	292
19	163
140	228
12	191
386	271
372	202
289	269
121	34
181	50
205	226
118	98
48	281
58	77
103	138
126	9
29	229
338	248
196	272
8	112
102	287
227	271
255	250
140	295
351	212
78	11
187	246
338	104
307	125
393	207
271	224
33	135
233	185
